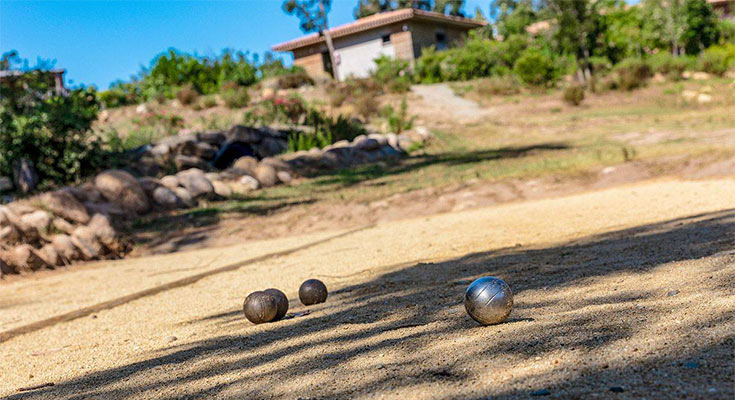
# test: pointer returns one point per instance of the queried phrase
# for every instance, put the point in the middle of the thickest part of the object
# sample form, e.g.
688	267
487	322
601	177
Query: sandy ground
620	293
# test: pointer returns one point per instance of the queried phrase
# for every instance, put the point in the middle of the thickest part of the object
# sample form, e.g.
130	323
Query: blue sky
100	41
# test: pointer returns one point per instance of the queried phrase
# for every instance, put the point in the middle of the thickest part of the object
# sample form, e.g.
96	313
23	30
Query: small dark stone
312	291
542	392
260	307
691	365
617	389
281	301
672	293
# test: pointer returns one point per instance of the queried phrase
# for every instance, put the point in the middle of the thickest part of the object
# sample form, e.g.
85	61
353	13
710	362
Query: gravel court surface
624	289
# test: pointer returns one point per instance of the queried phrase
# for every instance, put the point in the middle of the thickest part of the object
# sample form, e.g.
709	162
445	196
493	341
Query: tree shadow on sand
414	315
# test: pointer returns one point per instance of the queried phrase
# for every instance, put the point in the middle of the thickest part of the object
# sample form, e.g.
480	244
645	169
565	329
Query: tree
513	16
701	26
450	7
369	7
313	17
366	8
576	22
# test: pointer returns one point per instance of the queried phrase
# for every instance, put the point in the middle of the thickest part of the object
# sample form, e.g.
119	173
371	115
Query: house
725	8
401	34
56	74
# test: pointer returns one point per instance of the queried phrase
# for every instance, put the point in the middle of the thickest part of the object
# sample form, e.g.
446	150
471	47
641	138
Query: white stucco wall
357	59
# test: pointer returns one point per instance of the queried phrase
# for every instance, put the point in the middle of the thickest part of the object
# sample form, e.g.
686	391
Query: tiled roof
378	20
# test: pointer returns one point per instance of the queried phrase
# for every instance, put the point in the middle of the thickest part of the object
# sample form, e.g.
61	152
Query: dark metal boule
281	302
312	291
260	307
488	300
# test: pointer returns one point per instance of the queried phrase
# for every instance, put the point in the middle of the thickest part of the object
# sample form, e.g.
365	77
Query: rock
24	258
404	142
25	177
166	198
195	182
230	152
149	184
160	151
49	255
213	176
541	392
198	149
184	162
21	208
65	205
89	192
244	134
658	78
381	139
266	175
422	132
222	189
704	98
121	188
617	389
701	76
13	219
38	220
63	225
9	234
389	152
246	164
64	247
212	137
141	109
268	93
284	177
170	181
269	147
6	184
367	144
276	163
186	198
392	139
103	231
4	267
85	240
688	95
109	209
249	182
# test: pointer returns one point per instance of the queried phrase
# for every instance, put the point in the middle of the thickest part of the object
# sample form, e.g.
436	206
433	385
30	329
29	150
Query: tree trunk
328	39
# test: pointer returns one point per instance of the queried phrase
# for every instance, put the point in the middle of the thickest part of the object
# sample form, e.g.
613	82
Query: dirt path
440	101
626	289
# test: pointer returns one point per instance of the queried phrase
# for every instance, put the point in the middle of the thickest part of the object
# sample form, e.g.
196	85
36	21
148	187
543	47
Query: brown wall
403	45
424	35
313	65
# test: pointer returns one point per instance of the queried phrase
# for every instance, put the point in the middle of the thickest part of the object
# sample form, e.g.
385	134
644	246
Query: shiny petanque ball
312	291
281	302
488	300
260	307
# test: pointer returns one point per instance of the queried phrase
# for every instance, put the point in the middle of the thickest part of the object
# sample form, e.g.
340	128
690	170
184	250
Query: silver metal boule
488	300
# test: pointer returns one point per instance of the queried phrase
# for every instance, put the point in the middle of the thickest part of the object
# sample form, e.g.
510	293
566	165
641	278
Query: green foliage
398	120
574	94
121	94
717	59
701	26
535	68
395	75
600	65
49	129
726	28
631	73
429	66
292	110
670	66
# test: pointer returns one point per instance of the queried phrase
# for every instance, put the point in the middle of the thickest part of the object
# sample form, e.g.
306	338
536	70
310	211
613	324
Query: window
386	39
441	41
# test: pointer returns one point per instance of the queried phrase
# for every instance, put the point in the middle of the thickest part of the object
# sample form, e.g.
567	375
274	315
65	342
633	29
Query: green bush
398	120
50	130
187	95
631	73
600	65
574	94
326	131
535	68
668	65
121	94
395	75
429	66
717	59
235	96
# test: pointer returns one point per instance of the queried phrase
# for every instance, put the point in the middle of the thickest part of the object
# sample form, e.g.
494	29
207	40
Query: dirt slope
627	289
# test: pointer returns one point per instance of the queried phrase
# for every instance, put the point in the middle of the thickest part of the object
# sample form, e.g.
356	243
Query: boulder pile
79	222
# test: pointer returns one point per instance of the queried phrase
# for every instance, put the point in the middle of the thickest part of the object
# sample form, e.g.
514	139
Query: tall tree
450	7
369	7
575	27
313	17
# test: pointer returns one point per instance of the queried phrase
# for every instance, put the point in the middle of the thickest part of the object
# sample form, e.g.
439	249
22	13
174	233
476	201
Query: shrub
293	80
398	120
362	93
535	68
600	65
428	67
498	86
631	73
574	94
50	130
292	110
668	65
208	101
187	95
366	106
235	96
393	74
717	59
325	131
121	94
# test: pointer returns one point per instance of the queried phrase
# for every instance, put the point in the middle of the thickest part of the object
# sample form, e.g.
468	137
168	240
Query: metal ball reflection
488	300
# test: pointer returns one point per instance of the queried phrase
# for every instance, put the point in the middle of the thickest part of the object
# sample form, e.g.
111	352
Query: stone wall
78	223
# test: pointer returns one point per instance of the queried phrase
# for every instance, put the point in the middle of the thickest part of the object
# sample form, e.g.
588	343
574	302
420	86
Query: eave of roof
375	21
